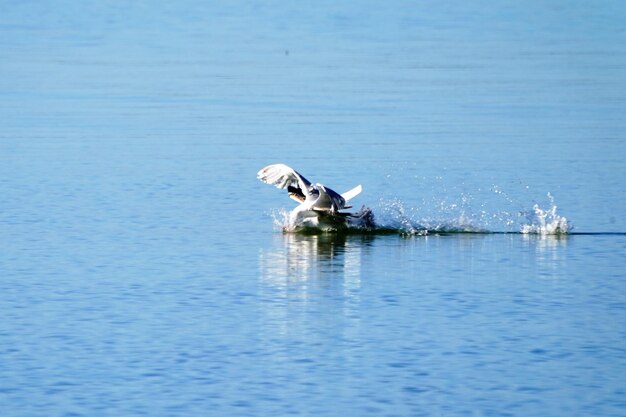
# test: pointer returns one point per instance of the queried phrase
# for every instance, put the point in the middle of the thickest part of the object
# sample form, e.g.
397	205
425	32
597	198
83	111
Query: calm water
142	270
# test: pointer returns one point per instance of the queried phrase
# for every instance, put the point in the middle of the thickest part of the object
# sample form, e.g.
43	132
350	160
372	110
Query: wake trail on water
446	216
455	218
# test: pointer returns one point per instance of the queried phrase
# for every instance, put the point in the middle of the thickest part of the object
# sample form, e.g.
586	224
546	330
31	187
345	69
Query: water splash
410	220
280	218
545	221
448	215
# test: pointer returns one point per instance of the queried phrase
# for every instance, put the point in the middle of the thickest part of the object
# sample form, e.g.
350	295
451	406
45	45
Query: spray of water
545	221
448	215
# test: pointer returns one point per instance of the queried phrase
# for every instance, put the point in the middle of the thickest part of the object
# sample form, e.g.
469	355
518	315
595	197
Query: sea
145	270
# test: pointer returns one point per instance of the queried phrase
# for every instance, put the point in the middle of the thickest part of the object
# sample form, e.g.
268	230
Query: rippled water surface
142	266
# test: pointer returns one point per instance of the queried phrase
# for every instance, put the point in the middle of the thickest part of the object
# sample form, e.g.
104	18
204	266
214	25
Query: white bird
318	203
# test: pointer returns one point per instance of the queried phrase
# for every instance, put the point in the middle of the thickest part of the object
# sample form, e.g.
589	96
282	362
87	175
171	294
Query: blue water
142	266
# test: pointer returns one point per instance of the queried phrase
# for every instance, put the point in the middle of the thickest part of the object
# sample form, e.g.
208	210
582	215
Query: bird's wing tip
348	195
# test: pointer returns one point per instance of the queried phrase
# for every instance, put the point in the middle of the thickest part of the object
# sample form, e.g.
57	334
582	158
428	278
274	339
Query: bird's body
319	205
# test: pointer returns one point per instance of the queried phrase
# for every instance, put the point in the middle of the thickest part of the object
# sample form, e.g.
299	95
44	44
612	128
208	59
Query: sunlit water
143	269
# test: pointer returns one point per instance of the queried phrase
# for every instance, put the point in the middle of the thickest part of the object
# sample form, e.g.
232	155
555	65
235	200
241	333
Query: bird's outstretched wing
282	176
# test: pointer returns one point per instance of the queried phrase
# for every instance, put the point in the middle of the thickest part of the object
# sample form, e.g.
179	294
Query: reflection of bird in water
320	206
297	257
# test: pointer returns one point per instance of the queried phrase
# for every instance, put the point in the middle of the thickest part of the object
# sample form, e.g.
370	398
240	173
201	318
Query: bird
318	206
